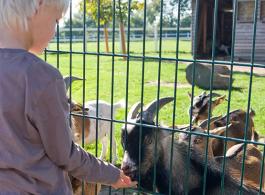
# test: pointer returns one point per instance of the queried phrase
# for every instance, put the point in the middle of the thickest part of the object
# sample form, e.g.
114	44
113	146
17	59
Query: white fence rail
136	34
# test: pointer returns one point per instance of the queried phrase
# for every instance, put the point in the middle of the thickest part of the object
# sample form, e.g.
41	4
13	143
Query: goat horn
151	109
134	110
68	80
224	117
204	123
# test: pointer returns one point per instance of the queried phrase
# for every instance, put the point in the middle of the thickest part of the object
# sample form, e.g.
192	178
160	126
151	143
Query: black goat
132	166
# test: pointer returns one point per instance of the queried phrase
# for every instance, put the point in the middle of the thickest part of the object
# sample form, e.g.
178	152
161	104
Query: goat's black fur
162	163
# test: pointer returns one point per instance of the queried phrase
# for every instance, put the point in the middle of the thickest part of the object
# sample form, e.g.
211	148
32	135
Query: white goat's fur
104	127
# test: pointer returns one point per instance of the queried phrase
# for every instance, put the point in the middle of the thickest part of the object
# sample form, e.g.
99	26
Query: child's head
36	18
15	13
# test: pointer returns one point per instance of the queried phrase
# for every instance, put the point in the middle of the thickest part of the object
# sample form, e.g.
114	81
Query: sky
75	8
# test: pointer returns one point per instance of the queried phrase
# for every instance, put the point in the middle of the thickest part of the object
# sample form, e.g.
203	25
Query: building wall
244	36
244	39
193	7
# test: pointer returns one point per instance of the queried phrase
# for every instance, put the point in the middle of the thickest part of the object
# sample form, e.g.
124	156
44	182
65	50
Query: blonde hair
15	13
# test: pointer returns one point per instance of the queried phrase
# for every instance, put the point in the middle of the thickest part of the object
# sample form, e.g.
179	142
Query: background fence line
136	34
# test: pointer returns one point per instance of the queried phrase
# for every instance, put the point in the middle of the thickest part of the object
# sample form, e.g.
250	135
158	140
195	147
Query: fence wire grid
140	75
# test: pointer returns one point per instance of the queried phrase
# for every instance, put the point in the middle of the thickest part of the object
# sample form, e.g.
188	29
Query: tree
153	11
170	11
123	11
105	15
186	21
184	6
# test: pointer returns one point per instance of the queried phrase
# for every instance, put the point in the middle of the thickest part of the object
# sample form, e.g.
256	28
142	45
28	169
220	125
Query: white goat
104	126
90	124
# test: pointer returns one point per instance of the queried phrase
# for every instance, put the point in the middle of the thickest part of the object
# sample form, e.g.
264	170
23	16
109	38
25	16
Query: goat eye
198	104
148	141
197	141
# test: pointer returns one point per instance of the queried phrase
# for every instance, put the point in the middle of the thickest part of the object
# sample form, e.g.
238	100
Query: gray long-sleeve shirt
36	147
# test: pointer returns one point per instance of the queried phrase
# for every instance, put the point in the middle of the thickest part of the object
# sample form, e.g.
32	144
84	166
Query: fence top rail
117	29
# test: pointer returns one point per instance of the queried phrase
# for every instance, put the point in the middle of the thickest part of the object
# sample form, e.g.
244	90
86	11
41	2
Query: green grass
239	98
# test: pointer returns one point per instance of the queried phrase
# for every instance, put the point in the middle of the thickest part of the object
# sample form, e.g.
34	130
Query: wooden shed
243	31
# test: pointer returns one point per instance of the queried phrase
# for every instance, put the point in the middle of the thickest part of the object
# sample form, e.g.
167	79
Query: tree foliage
170	11
186	21
105	10
184	6
105	13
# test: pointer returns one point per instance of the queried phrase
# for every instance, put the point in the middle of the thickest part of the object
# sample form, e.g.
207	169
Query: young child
36	148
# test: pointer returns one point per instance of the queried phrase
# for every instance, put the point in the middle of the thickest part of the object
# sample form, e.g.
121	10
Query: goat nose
125	169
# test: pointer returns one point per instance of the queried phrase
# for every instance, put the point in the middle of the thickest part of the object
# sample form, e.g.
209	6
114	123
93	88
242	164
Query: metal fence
111	76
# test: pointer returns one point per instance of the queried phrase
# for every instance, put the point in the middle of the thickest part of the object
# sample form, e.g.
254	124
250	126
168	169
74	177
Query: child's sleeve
51	117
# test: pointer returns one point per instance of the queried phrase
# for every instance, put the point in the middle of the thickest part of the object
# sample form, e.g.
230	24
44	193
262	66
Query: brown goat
253	164
238	120
77	122
199	141
240	116
89	188
234	154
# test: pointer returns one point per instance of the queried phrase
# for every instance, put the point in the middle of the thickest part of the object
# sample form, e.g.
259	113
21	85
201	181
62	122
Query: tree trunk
106	35
123	46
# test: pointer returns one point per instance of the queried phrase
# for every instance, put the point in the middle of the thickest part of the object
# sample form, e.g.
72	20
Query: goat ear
252	113
218	101
189	94
69	79
219	131
204	123
234	150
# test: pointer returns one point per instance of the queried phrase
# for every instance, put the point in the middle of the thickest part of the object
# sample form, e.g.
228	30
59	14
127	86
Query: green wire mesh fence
145	71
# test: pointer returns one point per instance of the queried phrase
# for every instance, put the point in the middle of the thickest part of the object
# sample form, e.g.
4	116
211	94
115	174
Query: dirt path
256	70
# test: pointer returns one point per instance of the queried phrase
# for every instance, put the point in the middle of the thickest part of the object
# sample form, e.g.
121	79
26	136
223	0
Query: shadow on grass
239	89
248	74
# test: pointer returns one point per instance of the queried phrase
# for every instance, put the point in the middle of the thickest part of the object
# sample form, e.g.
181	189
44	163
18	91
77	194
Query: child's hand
124	182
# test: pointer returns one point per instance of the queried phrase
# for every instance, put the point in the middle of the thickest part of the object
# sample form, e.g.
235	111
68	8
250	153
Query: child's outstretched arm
50	116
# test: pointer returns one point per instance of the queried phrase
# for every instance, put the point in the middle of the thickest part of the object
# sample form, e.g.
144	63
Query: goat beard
144	181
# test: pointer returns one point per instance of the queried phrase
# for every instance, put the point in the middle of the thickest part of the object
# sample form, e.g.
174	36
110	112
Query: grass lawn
134	68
